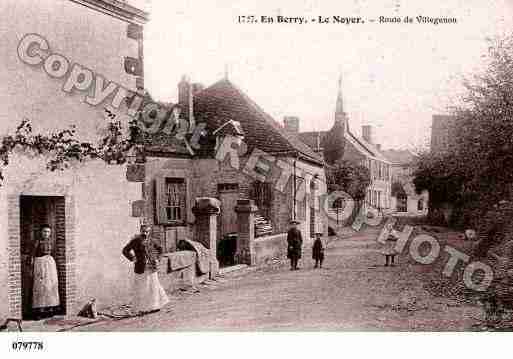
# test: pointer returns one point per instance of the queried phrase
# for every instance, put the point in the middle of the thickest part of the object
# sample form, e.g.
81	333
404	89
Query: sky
394	76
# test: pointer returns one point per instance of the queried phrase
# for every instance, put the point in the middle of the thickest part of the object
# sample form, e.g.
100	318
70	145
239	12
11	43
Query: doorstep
232	269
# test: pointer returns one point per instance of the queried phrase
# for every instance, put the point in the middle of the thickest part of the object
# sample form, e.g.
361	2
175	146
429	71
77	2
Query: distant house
358	150
404	197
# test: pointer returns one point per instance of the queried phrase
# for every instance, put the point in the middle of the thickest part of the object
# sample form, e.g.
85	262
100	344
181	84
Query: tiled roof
402	157
223	101
160	143
366	148
313	139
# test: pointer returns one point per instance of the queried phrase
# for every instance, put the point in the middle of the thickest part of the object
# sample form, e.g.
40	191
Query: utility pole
295	191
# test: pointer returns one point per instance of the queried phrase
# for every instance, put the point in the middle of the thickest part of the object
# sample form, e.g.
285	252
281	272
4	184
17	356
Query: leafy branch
62	148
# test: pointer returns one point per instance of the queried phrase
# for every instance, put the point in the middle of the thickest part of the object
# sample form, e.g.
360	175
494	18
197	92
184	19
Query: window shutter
270	197
160	200
183	202
187	217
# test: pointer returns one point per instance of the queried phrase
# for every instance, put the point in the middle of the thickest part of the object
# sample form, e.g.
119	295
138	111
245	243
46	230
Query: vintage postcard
255	166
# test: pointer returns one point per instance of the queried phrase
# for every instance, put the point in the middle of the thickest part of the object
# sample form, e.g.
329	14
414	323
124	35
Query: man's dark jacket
294	243
145	253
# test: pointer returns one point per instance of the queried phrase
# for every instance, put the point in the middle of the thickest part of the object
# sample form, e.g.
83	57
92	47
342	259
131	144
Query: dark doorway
34	212
402	203
420	205
227	242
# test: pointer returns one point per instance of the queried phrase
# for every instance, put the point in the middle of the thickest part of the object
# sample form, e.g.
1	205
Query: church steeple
340	102
340	115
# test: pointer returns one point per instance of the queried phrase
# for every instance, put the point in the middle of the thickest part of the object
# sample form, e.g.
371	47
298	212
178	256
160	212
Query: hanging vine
62	148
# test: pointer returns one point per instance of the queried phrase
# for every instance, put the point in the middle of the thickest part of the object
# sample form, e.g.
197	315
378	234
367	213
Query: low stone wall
270	247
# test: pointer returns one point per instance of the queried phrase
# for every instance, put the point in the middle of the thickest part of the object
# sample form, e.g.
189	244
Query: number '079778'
27	346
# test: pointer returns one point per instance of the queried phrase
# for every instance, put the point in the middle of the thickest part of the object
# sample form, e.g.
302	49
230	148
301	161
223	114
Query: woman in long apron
149	296
45	294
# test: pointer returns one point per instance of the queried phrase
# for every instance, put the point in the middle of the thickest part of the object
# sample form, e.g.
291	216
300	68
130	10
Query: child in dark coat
318	251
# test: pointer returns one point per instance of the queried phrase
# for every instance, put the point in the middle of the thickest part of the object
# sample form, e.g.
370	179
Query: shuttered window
262	194
171	194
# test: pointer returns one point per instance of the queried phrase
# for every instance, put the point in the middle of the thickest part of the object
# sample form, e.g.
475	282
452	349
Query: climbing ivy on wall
62	148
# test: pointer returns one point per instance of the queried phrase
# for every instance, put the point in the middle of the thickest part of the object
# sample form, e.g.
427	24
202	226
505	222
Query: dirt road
353	292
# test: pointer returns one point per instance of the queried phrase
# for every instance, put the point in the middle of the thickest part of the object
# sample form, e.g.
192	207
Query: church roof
400	157
315	139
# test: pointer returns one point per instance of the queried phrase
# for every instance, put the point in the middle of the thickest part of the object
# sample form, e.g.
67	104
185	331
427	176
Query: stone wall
270	247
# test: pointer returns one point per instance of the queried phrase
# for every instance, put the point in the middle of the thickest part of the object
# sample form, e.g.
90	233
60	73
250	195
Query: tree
350	178
477	169
334	143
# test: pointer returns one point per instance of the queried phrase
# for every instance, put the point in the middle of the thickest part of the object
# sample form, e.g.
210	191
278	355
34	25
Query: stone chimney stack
367	133
197	87
291	123
185	100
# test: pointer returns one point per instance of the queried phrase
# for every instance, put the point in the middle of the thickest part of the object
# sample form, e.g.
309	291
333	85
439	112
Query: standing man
294	244
45	294
149	296
318	250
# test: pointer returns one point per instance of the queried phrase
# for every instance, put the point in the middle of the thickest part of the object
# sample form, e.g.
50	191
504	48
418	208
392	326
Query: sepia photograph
294	167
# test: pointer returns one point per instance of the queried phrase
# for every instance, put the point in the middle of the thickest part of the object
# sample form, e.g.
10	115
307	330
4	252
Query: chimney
367	133
291	123
378	146
185	89
197	87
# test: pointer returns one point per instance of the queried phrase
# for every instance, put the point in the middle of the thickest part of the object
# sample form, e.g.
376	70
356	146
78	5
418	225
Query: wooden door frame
66	261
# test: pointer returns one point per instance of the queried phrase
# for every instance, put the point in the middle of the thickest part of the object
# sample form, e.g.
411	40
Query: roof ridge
361	142
269	120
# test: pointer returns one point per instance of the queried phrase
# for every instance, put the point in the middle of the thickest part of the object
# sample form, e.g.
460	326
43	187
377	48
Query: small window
171	200
402	203
174	199
262	194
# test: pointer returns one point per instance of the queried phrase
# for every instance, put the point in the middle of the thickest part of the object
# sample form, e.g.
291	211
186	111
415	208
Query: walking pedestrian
149	296
294	244
45	294
318	251
388	248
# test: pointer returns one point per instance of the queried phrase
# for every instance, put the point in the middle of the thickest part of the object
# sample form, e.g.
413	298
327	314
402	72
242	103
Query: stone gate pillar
245	253
206	211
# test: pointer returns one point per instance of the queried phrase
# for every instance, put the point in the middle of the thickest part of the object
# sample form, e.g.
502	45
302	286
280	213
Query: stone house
279	175
88	206
360	150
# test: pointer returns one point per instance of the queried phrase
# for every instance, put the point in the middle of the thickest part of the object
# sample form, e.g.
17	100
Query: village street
353	292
